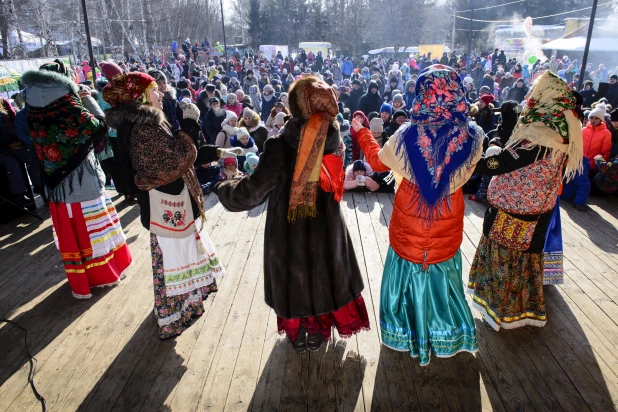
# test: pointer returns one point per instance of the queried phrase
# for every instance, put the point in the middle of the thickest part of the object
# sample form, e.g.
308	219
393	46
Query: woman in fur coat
311	276
184	261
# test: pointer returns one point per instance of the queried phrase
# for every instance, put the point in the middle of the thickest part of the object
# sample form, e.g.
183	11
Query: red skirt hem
349	320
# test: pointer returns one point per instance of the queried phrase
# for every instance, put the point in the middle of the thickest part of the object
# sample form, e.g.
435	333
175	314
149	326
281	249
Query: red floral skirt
349	320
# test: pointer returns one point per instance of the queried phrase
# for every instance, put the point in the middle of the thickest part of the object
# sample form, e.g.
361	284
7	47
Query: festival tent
31	42
578	43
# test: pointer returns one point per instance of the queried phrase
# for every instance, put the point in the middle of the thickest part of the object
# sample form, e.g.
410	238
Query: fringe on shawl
537	134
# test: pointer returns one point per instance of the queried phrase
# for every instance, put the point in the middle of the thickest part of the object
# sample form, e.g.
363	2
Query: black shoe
314	342
24	201
130	198
581	208
300	344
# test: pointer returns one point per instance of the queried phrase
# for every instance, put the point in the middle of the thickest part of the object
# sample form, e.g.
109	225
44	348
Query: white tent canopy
599	44
409	49
31	42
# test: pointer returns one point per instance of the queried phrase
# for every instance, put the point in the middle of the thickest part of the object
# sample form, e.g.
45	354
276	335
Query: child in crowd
278	124
357	177
190	123
243	140
495	147
376	127
231	170
386	111
251	162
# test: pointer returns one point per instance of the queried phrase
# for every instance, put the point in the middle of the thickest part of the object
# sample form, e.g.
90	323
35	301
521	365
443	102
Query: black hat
358	165
614	76
400	113
496	141
614	115
211	88
213	100
356	81
183	84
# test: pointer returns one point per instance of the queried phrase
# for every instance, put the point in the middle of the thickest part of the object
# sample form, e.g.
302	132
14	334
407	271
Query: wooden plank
216	388
375	392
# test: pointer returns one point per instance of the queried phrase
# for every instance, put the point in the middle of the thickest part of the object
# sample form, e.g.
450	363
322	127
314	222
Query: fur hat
376	125
599	111
310	96
248	112
398	98
190	111
210	87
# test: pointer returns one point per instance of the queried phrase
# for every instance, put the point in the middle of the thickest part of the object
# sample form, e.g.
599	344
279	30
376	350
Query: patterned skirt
424	311
91	242
349	320
183	277
553	272
507	286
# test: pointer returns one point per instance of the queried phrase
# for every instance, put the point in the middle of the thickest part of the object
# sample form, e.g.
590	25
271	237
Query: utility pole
93	63
582	71
453	34
470	33
224	40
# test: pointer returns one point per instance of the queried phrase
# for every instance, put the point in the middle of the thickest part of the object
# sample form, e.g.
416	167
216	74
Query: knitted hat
398	98
231	96
356	81
359	165
158	75
110	70
229	161
376	125
250	162
190	111
242	132
248	112
214	100
386	108
485	89
127	88
399	113
280	119
599	111
487	99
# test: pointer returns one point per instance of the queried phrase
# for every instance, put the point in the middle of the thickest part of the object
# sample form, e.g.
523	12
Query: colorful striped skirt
92	244
425	310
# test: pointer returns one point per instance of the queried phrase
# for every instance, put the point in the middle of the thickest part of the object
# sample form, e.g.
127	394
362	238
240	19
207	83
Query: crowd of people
302	131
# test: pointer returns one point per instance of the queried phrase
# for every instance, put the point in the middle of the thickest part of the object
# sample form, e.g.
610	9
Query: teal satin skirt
423	311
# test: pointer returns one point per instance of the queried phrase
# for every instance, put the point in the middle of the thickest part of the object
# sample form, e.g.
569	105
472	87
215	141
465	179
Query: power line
533	18
491	7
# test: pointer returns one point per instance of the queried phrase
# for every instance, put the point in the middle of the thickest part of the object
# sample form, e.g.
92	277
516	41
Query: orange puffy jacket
597	141
409	238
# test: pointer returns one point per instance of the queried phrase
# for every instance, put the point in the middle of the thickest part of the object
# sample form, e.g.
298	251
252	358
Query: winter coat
411	238
347	67
612	95
250	147
267	106
589	97
248	83
235	108
258	133
370	103
225	135
354	99
172	110
141	129
337	74
487	81
517	94
597	141
310	267
211	125
578	188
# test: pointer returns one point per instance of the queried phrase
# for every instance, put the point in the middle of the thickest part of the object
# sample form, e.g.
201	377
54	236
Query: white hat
376	125
191	111
242	132
280	118
598	111
468	79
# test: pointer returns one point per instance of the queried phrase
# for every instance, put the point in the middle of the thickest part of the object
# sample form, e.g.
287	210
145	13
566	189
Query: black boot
314	341
300	344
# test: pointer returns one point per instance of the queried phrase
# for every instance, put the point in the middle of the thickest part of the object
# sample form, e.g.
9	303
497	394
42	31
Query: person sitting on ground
357	177
231	169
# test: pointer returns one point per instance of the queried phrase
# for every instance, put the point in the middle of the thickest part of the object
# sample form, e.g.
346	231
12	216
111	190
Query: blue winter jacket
578	189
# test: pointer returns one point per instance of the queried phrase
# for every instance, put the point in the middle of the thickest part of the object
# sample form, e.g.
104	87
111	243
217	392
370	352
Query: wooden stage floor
104	354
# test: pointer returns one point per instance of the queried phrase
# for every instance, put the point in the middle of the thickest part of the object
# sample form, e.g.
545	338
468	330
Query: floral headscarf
549	120
440	141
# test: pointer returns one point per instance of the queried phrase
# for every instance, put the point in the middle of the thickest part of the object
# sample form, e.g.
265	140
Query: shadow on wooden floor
132	381
329	379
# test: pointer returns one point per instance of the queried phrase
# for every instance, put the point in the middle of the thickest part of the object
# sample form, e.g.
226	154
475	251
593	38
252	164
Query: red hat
110	70
127	88
487	99
229	160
